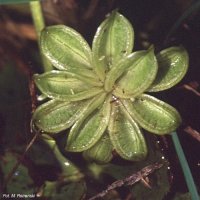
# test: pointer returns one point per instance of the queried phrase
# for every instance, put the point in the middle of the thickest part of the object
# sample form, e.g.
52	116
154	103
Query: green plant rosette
100	93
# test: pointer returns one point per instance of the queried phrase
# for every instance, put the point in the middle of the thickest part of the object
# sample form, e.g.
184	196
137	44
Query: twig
130	180
32	94
195	134
188	87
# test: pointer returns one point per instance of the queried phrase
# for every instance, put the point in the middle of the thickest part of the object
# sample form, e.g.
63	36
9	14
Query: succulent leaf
55	116
138	77
153	115
65	86
172	67
101	152
112	41
121	67
65	48
126	135
90	126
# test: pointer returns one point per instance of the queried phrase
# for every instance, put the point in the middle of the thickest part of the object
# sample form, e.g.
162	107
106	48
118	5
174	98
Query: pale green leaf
122	66
172	67
100	152
153	115
113	40
125	134
65	48
90	126
138	77
62	85
55	116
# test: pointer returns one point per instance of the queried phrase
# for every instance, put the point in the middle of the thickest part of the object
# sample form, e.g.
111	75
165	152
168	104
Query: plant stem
185	167
38	19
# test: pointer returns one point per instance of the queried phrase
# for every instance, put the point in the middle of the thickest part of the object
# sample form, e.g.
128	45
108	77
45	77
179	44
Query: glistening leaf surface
101	152
65	86
90	126
138	77
55	116
172	67
113	40
122	66
153	115
65	48
125	134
